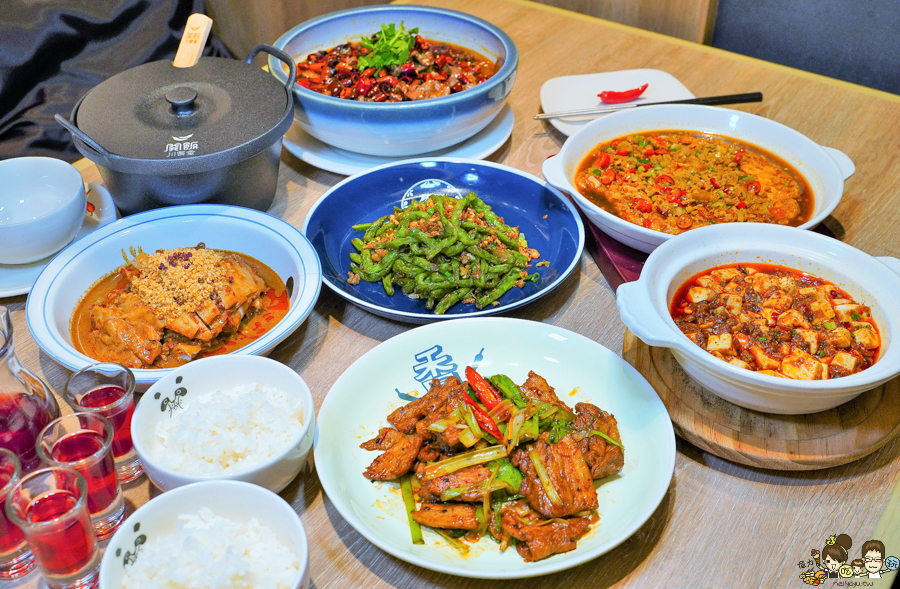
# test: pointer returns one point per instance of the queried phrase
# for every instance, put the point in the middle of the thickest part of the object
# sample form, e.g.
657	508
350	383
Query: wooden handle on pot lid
193	40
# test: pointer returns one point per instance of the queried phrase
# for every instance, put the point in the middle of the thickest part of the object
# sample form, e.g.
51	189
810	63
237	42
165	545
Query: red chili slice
665	182
642	204
608	177
603	160
623	152
674	196
741	205
714	182
614	97
753	186
739	156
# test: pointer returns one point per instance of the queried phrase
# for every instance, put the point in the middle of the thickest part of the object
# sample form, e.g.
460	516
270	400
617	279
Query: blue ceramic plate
548	219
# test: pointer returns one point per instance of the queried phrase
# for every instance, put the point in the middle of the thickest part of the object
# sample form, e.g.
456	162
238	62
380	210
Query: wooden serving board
764	440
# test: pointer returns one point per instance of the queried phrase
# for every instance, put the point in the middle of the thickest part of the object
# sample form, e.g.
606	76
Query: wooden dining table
720	523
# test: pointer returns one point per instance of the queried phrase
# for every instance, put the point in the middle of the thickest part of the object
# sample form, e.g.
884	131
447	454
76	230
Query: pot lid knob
182	100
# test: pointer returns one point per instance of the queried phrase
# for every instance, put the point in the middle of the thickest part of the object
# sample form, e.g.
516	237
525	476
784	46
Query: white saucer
578	92
17	279
314	152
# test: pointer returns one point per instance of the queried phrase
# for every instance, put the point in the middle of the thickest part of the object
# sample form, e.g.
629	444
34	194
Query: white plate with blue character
393	372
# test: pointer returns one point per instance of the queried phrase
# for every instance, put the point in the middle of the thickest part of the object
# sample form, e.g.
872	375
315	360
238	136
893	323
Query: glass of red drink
83	443
50	507
16	559
108	389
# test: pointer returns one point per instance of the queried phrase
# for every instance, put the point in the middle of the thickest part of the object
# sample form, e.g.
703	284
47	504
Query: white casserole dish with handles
823	167
644	307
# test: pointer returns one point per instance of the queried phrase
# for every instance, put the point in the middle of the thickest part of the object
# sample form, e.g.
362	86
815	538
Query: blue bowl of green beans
535	211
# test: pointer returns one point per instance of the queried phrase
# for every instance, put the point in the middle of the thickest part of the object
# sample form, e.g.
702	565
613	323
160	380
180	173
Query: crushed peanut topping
174	282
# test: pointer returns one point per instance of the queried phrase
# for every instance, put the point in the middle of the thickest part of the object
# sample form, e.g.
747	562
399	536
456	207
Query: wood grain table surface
720	523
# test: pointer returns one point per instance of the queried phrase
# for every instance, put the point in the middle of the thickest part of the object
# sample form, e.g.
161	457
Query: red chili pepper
649	151
364	85
632	170
741	204
646	166
714	183
608	177
665	182
483	419
674	196
739	156
482	388
613	97
603	160
646	223
387	79
753	186
622	152
661	151
421	42
642	204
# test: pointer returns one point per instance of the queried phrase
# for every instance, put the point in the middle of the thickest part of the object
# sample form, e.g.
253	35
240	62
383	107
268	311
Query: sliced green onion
552	495
409	503
855	316
460	461
596	432
488	486
830	325
458	544
467	438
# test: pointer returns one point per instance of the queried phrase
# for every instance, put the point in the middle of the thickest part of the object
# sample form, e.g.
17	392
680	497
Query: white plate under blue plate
332	159
359	402
16	279
73	271
547	218
578	92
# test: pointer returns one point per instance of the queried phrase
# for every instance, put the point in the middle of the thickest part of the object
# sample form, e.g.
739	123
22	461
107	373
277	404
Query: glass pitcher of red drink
26	404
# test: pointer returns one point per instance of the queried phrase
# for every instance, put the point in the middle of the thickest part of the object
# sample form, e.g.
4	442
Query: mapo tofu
777	321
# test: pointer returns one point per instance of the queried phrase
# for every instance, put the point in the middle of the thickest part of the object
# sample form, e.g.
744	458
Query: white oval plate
579	92
16	279
74	270
340	161
360	400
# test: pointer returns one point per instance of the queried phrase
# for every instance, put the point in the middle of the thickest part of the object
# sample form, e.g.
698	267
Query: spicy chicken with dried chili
777	321
434	69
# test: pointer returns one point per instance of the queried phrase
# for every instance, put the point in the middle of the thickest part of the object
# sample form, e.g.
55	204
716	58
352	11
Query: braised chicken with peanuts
489	457
167	308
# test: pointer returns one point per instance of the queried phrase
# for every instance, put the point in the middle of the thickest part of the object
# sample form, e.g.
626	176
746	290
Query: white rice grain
209	551
228	431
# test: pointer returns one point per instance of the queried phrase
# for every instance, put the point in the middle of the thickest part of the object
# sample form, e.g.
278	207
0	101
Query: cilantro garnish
390	46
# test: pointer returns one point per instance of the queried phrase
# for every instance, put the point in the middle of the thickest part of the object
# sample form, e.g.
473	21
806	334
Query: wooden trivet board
764	440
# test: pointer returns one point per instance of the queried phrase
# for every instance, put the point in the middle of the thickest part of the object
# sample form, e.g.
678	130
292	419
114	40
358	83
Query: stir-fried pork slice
538	389
604	459
568	474
405	418
456	516
472	475
538	538
400	454
556	537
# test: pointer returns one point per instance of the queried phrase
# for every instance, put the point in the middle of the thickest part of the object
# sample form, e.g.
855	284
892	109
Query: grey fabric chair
853	40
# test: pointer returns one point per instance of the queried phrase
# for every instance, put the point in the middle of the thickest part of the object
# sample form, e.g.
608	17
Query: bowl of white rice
209	535
245	418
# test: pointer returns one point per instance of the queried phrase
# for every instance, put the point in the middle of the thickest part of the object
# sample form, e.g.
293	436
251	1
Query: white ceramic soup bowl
234	500
823	167
42	207
173	394
73	271
644	306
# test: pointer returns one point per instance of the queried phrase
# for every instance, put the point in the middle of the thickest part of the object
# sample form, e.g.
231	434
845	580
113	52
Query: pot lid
158	118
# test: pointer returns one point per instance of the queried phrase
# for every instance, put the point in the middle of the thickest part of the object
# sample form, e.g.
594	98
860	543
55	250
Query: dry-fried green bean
443	256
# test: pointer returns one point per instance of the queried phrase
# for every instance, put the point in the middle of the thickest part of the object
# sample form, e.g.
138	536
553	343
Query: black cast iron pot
211	133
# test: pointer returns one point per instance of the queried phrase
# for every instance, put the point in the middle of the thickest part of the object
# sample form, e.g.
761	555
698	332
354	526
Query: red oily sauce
778	321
